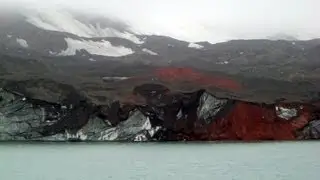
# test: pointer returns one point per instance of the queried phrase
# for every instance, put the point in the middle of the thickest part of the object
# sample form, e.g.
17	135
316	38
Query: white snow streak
22	43
103	48
286	113
149	52
115	78
195	46
224	62
79	135
62	21
52	53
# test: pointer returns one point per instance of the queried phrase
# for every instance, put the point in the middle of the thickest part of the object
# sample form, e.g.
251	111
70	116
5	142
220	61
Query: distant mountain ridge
283	36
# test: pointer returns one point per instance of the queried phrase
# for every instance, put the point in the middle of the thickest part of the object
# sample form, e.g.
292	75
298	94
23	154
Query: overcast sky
212	20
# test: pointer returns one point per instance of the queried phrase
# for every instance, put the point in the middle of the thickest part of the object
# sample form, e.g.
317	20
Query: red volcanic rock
196	78
248	121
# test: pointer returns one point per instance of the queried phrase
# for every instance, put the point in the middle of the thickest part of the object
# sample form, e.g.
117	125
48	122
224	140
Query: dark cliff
166	110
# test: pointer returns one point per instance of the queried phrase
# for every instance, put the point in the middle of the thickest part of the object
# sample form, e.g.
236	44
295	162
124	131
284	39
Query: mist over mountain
282	37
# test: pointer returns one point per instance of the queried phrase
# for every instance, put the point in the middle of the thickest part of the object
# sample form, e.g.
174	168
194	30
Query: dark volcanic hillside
293	76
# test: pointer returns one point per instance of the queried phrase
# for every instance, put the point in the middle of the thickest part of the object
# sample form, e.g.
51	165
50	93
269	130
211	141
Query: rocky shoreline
155	113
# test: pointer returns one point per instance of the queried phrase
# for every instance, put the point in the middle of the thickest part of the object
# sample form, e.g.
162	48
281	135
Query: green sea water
160	161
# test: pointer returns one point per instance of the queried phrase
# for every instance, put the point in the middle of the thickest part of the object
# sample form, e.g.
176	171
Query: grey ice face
209	106
315	129
286	113
311	131
20	120
136	128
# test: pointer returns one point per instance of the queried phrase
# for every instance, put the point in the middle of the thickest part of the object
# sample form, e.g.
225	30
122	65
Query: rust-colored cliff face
247	121
237	120
188	75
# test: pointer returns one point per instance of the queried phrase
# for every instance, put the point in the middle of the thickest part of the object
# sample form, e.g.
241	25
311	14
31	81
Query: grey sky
212	20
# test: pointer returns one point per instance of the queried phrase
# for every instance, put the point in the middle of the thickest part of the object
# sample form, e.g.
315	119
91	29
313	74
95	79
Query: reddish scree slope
197	78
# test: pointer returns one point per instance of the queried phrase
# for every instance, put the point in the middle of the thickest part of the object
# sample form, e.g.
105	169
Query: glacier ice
62	21
103	48
149	52
22	43
195	46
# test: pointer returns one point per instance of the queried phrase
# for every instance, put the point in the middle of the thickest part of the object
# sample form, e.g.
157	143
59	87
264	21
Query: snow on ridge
195	46
103	48
22	42
149	52
62	21
52	53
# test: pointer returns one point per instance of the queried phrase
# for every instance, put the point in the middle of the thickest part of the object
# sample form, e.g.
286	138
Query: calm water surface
254	161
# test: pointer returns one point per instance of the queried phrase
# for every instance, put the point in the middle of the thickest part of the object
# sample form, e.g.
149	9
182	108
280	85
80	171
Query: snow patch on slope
149	52
195	46
103	48
80	135
223	62
115	78
52	53
23	43
62	21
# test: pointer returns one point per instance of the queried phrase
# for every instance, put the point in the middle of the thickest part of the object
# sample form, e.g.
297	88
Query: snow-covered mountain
52	32
87	26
